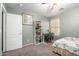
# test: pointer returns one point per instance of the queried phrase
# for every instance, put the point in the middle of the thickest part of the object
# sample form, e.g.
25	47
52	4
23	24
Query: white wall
14	31
69	22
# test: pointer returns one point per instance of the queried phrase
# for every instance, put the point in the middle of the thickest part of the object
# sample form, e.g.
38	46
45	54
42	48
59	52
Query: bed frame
62	52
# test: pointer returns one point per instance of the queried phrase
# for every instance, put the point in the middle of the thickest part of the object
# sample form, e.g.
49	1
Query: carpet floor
32	50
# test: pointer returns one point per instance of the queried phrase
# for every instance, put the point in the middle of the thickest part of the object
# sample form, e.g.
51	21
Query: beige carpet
32	50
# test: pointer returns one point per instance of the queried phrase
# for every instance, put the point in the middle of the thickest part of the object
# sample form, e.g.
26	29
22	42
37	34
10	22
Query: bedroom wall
28	33
69	22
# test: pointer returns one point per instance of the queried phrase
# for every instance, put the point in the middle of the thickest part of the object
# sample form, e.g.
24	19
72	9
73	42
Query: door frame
4	26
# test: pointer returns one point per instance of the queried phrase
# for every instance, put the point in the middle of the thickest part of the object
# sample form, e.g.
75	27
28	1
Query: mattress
68	43
72	49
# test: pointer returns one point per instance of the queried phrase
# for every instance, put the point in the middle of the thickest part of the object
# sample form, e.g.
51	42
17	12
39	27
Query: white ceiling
37	8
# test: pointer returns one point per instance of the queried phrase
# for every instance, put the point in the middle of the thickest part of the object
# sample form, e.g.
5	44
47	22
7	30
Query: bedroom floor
32	50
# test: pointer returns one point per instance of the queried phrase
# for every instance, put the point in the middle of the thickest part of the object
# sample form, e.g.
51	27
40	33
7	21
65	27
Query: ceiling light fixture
21	4
43	3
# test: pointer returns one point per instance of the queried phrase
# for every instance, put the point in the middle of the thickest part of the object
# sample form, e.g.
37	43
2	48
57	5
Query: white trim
39	43
3	7
0	29
28	44
33	44
43	38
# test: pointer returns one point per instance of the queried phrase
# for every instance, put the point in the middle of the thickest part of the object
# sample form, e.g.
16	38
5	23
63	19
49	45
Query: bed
67	46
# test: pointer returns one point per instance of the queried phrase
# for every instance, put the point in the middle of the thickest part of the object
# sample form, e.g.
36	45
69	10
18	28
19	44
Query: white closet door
14	31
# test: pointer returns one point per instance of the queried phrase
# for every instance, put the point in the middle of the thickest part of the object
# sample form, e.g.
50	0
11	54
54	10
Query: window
55	26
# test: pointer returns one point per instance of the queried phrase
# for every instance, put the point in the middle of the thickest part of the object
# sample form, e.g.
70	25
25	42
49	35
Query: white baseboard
39	43
28	44
33	43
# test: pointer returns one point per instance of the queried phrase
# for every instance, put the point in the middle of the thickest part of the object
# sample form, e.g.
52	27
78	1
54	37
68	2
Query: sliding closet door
27	34
14	31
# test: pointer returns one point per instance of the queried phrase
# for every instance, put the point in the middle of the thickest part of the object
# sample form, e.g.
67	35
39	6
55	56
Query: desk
48	37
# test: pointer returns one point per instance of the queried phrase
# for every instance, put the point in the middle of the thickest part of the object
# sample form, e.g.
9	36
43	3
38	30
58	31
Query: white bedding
68	43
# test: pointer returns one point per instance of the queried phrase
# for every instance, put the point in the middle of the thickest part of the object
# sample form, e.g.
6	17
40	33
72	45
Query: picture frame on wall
27	19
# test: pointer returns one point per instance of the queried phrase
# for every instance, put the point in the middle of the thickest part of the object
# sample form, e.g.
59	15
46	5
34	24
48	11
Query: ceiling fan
51	6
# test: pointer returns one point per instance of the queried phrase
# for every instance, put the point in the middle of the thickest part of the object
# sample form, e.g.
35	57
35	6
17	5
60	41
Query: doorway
3	29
